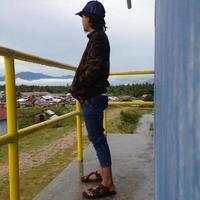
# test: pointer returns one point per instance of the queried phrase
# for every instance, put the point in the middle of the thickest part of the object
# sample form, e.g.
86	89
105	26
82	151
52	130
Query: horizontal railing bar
34	59
5	139
146	103
44	61
132	72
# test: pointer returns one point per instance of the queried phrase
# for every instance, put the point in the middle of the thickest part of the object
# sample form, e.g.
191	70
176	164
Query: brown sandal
87	179
98	192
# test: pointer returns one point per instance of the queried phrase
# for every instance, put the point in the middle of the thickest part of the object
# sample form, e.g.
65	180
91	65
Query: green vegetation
27	115
127	121
35	88
135	90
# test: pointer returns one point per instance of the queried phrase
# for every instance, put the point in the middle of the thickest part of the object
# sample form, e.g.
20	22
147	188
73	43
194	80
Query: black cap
93	7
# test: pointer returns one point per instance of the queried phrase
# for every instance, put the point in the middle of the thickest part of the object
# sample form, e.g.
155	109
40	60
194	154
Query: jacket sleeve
94	65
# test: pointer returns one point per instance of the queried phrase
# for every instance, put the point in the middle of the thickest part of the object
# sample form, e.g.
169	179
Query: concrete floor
133	171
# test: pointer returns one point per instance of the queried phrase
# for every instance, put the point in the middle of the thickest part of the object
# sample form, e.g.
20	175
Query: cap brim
80	13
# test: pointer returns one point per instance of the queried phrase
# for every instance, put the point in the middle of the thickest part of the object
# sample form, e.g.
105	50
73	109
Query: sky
50	29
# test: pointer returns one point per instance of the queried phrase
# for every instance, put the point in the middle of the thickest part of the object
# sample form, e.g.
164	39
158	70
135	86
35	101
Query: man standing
89	86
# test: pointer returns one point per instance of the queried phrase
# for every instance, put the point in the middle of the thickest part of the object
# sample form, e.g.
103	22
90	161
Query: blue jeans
92	109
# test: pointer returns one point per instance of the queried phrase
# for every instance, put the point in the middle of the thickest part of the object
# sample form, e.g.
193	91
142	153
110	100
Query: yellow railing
13	135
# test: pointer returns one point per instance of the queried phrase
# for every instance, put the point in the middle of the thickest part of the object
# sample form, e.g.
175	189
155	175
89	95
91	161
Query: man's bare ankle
108	183
99	171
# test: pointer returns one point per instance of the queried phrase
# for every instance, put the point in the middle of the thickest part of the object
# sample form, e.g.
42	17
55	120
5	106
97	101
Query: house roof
49	112
28	94
2	113
21	100
47	97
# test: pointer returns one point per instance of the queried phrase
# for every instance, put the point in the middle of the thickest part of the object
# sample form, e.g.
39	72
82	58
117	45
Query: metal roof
2	113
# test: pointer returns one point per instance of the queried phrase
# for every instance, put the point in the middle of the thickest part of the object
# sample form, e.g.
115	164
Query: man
89	86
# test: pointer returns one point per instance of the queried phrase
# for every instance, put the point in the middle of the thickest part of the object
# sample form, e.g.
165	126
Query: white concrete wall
177	100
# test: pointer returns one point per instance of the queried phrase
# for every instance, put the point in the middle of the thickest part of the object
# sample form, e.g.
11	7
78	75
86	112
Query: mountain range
30	76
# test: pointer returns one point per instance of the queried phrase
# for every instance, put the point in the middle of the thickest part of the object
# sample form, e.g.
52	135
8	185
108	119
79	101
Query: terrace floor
133	168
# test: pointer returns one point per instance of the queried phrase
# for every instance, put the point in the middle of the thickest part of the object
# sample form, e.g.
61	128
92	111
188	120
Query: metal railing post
13	159
105	122
79	132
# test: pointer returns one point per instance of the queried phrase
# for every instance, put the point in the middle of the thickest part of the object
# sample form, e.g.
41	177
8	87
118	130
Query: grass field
27	115
33	180
41	137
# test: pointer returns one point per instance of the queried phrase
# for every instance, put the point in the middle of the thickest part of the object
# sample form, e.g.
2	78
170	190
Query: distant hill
29	76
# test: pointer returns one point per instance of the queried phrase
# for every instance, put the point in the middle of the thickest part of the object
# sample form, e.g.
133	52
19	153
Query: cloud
50	29
25	66
113	80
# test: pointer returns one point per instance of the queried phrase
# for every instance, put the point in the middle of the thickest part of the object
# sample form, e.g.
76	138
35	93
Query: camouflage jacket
93	71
